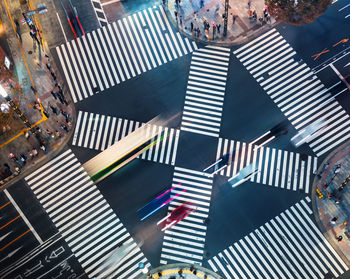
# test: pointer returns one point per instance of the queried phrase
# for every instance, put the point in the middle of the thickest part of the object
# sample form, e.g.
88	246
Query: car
176	215
306	134
217	166
276	131
157	203
244	174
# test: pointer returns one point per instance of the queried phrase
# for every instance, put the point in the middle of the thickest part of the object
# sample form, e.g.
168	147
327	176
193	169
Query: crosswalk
295	89
98	131
278	168
120	51
184	242
288	246
84	218
205	91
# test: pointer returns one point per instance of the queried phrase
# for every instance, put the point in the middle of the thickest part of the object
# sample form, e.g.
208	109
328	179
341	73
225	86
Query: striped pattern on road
279	168
205	91
96	131
120	51
84	218
295	89
288	246
184	242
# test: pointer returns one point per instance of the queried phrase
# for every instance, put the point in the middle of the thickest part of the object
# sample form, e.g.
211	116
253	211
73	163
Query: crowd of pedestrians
40	140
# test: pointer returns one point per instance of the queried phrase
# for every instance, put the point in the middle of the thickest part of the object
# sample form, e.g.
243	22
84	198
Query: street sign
23	21
43	11
29	20
30	13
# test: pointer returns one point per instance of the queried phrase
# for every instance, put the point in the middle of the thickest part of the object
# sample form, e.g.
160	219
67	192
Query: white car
243	175
306	134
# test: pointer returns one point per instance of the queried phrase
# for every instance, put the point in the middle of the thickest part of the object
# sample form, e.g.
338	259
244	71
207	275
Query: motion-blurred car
243	175
217	166
73	19
176	215
157	203
276	131
306	134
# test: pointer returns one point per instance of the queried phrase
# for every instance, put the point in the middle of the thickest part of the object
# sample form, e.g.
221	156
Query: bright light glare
3	91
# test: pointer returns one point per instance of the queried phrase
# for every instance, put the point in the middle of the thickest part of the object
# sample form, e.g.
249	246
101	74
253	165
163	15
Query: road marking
59	20
8	244
23	216
109	2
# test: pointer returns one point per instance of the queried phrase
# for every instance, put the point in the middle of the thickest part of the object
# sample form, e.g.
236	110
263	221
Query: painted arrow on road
9	255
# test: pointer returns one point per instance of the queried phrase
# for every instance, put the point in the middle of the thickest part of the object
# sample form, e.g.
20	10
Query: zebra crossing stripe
120	51
83	217
202	114
279	168
295	89
288	246
101	131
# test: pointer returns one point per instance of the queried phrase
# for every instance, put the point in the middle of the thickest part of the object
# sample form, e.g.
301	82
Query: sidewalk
329	201
240	27
30	57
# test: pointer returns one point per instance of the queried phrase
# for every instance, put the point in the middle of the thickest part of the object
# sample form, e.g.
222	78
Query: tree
297	12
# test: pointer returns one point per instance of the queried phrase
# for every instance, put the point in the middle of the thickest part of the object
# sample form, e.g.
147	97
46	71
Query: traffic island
331	200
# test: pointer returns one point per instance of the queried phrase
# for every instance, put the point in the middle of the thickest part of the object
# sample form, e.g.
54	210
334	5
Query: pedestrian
180	20
17	171
333	220
57	134
54	110
234	19
337	168
50	133
175	12
48	66
31	154
339	238
54	95
35	152
249	4
23	159
218	27
337	200
202	3
43	148
53	75
11	155
191	26
250	12
254	15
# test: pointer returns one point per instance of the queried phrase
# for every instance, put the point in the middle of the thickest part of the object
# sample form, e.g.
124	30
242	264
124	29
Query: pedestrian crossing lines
96	131
295	89
184	242
119	51
84	218
288	246
278	168
205	91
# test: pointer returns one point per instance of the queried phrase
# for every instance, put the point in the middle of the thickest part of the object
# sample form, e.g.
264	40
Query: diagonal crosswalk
295	89
120	51
205	91
84	218
288	246
279	168
184	242
98	131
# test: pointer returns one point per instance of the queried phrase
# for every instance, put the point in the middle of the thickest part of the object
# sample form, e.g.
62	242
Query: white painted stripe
76	130
92	140
119	54
82	130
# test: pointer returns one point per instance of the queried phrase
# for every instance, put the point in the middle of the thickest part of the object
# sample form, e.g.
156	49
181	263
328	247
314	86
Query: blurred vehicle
157	203
276	131
176	215
306	134
217	166
243	175
73	19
